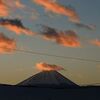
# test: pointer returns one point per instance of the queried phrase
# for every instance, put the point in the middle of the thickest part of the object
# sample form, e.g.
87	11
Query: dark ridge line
81	87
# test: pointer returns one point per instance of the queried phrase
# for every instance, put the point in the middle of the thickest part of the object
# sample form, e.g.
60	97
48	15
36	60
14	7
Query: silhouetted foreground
48	85
8	92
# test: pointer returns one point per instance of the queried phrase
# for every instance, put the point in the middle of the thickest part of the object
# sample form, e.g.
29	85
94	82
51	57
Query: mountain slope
48	78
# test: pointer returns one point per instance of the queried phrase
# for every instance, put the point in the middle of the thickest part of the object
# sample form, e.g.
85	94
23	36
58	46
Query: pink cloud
55	7
95	42
6	44
48	67
3	9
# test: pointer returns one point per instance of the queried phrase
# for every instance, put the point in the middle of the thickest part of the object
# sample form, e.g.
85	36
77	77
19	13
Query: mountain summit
48	79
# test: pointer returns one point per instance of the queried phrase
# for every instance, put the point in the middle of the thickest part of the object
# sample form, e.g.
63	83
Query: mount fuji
48	85
48	79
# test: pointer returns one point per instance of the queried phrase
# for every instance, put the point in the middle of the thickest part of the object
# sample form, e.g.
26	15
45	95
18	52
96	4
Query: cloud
53	6
15	4
66	38
89	27
3	9
48	67
6	44
19	4
16	26
95	42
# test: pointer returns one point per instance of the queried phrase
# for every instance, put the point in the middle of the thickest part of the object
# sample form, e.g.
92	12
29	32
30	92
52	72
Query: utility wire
57	56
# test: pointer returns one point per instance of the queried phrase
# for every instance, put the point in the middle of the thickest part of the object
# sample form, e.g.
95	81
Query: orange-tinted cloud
6	44
55	7
19	4
48	67
95	42
16	26
66	38
3	9
19	30
13	4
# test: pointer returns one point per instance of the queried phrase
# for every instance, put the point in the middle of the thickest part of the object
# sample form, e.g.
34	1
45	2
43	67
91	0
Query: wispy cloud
15	4
3	9
6	44
48	67
95	42
16	26
53	6
66	38
19	4
89	27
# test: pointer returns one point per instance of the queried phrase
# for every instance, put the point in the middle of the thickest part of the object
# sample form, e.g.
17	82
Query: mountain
48	79
37	88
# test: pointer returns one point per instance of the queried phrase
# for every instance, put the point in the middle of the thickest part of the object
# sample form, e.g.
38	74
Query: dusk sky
67	28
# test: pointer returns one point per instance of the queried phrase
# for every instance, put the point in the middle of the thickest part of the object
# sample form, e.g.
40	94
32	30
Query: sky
65	28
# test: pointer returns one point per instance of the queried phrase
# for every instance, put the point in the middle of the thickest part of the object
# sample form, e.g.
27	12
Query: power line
57	56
